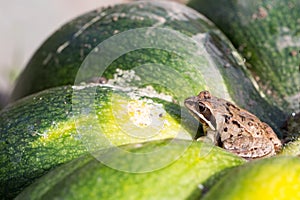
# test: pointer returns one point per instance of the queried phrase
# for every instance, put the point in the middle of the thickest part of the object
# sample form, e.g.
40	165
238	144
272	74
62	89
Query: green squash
272	178
87	178
55	126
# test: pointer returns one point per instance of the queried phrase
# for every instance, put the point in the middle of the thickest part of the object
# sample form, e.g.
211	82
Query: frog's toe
205	139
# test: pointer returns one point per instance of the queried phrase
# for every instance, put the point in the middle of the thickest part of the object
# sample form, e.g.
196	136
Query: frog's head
202	109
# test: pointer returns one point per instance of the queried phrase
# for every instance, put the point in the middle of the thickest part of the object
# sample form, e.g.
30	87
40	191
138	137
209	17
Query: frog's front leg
212	136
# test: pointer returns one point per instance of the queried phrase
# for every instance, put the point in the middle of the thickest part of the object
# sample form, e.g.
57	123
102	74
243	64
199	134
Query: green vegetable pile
98	111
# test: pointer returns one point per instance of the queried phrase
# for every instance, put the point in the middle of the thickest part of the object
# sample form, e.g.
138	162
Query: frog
233	128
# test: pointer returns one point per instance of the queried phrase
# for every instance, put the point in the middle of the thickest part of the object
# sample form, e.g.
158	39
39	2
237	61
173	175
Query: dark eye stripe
202	108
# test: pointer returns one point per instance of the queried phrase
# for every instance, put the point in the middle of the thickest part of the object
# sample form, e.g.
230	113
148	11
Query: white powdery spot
44	135
149	91
63	46
286	39
87	25
81	87
294	102
47	59
201	38
124	78
140	113
201	187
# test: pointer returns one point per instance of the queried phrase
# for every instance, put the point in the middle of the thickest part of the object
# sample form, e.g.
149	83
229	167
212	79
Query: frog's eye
202	108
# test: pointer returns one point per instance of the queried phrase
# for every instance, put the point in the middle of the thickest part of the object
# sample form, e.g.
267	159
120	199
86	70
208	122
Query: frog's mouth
200	112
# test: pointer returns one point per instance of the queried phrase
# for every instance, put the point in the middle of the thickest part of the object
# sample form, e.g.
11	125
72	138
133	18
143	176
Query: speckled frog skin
233	128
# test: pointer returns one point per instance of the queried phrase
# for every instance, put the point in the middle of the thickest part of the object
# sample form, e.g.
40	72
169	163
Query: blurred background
25	25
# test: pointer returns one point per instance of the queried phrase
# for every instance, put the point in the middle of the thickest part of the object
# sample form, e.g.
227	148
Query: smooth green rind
266	32
272	178
42	131
87	178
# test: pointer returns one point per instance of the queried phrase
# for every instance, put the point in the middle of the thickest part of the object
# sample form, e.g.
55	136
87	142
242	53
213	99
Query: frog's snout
191	103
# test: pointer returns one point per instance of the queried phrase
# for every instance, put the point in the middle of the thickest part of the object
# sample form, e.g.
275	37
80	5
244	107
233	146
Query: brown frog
233	128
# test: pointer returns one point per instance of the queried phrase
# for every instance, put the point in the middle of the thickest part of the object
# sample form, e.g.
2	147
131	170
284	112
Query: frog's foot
205	139
207	148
